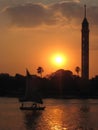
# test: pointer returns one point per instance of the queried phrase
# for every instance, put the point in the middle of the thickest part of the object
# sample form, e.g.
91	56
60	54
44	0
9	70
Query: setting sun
59	60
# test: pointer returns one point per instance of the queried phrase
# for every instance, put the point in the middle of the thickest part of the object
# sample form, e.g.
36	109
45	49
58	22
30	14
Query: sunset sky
33	32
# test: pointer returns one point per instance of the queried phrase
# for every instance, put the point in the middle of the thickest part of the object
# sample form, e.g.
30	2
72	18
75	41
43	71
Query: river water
71	114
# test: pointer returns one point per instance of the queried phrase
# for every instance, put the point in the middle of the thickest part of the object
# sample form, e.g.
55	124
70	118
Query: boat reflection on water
31	119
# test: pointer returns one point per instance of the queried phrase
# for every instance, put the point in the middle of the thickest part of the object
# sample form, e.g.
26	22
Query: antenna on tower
85	11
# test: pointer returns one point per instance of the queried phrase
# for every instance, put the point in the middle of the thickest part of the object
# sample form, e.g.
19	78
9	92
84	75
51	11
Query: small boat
31	94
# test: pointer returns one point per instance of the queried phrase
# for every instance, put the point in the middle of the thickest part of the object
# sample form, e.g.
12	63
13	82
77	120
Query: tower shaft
85	48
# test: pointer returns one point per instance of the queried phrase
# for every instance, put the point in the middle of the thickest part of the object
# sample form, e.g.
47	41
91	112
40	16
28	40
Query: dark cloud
32	15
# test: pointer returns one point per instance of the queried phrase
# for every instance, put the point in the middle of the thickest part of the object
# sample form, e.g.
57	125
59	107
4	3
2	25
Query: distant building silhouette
85	46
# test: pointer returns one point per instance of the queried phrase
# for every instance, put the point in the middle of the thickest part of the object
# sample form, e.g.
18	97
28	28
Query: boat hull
31	108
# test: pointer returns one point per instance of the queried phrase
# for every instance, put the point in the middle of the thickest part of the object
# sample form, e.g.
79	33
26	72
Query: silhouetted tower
85	46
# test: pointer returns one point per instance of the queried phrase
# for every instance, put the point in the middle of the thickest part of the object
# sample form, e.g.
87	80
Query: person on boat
34	105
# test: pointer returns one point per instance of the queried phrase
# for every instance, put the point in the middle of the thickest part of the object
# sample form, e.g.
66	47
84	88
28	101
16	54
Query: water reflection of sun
56	120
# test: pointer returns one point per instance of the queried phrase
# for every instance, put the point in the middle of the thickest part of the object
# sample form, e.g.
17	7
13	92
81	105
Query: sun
59	60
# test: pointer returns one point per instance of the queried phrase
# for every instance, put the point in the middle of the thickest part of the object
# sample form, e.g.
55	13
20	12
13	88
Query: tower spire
85	11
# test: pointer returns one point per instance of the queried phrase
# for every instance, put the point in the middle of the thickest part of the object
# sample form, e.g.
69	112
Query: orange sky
31	34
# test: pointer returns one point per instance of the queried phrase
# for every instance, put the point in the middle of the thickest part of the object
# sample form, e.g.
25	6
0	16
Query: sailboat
31	94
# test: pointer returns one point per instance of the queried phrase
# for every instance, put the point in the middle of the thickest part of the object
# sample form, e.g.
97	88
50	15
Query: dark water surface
59	114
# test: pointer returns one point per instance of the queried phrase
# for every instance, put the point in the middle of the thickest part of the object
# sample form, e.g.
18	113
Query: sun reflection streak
58	127
55	123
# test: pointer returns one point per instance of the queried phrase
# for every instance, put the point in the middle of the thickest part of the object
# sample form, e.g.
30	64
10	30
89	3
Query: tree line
60	84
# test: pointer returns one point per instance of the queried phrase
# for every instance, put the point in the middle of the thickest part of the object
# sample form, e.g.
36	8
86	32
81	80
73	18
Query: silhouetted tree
77	69
40	70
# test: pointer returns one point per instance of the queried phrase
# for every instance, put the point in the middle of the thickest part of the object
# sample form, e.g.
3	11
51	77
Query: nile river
59	114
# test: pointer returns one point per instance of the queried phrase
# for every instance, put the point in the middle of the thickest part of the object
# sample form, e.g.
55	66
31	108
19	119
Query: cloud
69	10
89	2
92	14
77	1
34	15
30	15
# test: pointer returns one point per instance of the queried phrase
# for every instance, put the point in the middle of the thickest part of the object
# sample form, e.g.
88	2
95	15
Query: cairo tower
85	47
